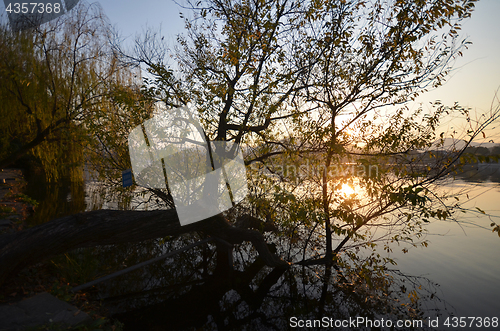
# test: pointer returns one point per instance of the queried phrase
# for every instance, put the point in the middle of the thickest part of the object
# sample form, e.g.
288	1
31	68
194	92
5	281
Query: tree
296	81
53	79
495	150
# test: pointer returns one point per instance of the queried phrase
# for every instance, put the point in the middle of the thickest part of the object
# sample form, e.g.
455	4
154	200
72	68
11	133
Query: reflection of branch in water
259	298
137	266
201	300
430	290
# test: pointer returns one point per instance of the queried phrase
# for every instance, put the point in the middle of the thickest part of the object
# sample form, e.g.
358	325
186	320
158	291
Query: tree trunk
105	227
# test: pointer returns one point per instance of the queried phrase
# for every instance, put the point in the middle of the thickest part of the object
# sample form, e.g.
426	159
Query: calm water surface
461	259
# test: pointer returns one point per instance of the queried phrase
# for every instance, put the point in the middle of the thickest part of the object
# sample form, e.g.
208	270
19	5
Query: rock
5	222
41	309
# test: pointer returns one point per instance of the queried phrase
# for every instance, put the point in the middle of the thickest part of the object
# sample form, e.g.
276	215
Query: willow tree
52	78
292	80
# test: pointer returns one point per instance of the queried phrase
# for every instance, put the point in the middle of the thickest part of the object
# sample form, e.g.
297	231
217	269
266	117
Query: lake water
461	263
463	258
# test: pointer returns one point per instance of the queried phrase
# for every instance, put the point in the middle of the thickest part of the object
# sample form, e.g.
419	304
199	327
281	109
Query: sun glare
347	190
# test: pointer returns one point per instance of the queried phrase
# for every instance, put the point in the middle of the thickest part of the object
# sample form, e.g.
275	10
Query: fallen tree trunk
105	227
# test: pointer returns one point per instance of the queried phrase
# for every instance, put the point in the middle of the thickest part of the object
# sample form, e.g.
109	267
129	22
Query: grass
6	211
26	199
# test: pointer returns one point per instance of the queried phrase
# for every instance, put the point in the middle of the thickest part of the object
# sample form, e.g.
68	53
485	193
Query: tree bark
106	227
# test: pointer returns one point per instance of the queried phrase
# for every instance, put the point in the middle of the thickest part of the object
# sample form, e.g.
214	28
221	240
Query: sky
132	17
476	77
473	83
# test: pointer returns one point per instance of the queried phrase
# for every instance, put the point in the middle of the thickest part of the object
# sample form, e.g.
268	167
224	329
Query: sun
347	190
